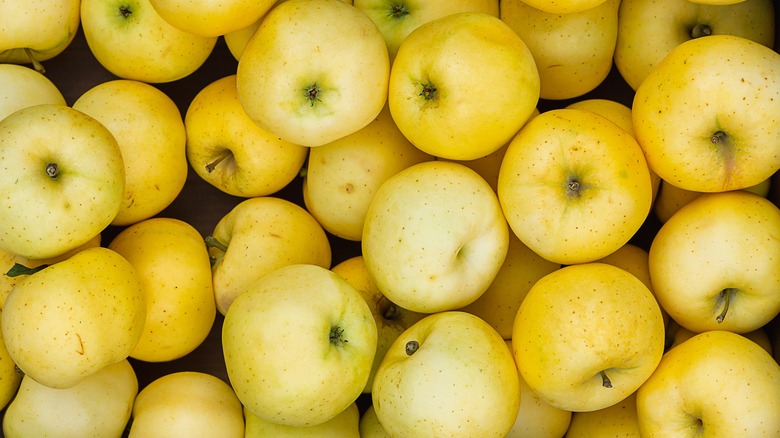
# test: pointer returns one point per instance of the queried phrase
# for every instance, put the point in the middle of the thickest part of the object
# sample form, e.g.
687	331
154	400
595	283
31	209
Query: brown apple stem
701	30
212	242
19	269
412	347
52	170
213	165
388	309
725	297
303	172
605	382
36	64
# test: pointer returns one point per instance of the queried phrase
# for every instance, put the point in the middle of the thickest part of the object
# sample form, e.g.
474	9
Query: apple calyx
398	10
701	30
125	11
336	336
412	347
19	269
429	91
605	382
312	93
35	63
213	165
724	297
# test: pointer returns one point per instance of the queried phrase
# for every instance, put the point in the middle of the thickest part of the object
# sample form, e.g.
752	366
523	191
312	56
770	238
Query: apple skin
561	170
443	86
434	237
649	29
230	151
99	405
187	403
344	425
209	18
314	71
715	264
564	6
23	87
298	345
716	383
431	377
48	216
131	40
618	420
704	116
37	30
587	336
150	132
10	377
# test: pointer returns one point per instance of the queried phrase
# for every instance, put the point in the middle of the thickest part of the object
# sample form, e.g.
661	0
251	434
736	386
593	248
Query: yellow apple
342	177
314	71
618	420
587	336
210	18
62	180
704	116
298	345
715	264
574	186
36	30
236	40
677	334
99	405
258	236
449	85
150	131
522	268
573	51
130	40
671	198
69	320
649	29
536	418
10	376
448	375
715	384
563	7
23	87
173	264
369	426
187	403
230	151
390	318
434	237
344	425
397	19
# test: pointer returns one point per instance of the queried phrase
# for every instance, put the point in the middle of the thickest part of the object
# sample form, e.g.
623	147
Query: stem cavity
213	165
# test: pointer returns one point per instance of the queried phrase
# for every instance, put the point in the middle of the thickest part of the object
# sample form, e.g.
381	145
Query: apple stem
213	165
214	243
303	172
605	382
412	347
388	308
19	269
701	30
36	64
725	297
52	170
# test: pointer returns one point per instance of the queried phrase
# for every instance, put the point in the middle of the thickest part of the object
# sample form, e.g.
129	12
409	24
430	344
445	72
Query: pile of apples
492	206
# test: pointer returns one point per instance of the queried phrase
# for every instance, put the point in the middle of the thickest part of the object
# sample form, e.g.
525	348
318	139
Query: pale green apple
23	87
211	18
187	404
449	90
299	344
649	29
150	132
70	319
448	375
344	425
342	177
314	71
230	151
573	51
434	237
705	115
32	31
715	384
574	186
99	405
173	265
587	336
258	236
715	264
130	40
397	19
62	179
